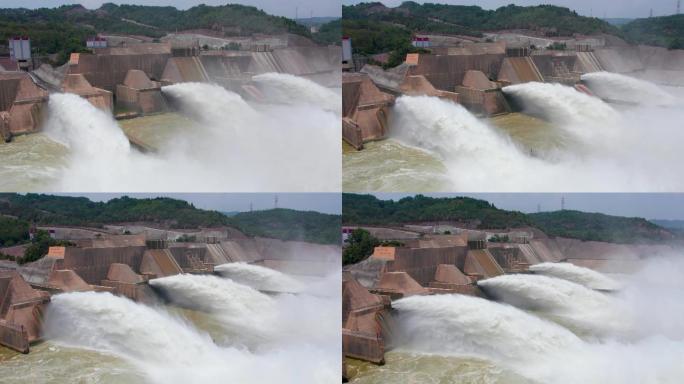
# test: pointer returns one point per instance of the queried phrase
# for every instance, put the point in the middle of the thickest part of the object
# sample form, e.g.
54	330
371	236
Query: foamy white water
236	146
259	277
604	149
466	325
239	307
252	318
573	305
167	349
621	87
284	88
542	351
580	275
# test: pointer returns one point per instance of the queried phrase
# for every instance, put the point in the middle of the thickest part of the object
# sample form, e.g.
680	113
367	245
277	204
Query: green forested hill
79	211
329	33
284	224
288	224
391	28
13	231
599	227
63	30
369	210
665	31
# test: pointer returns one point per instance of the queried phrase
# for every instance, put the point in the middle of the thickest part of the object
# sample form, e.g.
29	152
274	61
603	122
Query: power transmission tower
563	203
276	201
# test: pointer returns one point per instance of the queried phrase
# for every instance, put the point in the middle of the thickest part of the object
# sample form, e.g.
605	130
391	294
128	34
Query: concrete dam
149	111
512	122
89	311
516	312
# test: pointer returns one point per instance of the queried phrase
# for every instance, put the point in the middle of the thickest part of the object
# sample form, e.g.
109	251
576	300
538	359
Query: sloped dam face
215	132
547	327
214	330
622	138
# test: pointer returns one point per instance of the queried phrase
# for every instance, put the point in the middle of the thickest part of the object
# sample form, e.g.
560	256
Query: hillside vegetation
64	29
391	28
80	211
284	224
329	33
665	31
13	231
369	210
288	224
599	227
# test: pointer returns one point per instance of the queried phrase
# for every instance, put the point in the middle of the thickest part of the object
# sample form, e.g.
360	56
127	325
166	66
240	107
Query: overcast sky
287	8
229	202
668	206
602	8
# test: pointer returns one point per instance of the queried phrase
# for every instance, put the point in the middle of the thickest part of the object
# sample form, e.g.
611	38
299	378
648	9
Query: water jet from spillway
580	275
577	113
258	277
457	324
572	305
170	350
238	306
210	154
618	87
284	88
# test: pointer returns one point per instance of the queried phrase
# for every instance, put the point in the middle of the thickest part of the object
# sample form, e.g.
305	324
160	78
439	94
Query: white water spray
235	146
238	306
618	87
543	352
586	117
580	275
457	324
284	88
170	350
630	151
259	277
573	305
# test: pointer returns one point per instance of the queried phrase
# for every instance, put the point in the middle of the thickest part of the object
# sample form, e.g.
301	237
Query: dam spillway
560	131
75	125
468	338
161	295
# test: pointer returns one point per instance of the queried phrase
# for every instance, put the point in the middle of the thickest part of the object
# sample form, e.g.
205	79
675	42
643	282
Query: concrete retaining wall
488	102
14	337
447	71
109	67
92	264
421	263
361	346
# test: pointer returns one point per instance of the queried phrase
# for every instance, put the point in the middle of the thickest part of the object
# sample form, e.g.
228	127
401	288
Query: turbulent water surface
290	141
543	329
563	140
216	331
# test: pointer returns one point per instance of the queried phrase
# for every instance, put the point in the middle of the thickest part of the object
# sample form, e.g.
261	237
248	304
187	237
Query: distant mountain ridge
369	210
284	224
376	28
64	29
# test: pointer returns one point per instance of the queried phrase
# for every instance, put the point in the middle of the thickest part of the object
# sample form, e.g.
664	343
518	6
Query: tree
40	245
13	231
360	245
38	248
